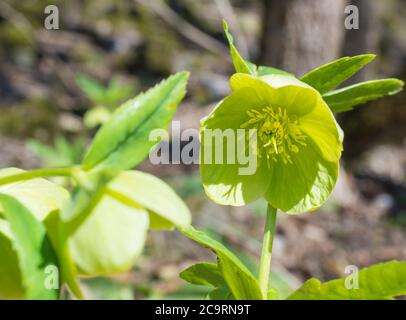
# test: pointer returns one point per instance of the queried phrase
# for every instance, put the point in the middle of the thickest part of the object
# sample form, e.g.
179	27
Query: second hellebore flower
298	147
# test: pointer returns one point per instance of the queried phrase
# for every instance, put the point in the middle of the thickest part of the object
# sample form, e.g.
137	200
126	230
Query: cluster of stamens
278	134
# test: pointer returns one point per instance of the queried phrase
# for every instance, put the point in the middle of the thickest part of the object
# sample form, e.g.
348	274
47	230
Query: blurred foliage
63	153
104	98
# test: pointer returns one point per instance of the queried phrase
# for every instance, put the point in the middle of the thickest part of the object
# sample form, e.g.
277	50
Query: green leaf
241	282
32	246
123	141
143	190
204	274
220	293
273	294
329	76
244	66
62	226
344	99
240	64
11	286
58	238
380	282
39	196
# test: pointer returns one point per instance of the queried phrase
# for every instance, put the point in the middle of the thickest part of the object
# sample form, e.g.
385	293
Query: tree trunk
299	35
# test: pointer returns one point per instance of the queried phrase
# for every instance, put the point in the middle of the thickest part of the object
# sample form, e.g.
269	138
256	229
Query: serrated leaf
123	141
144	190
32	247
204	274
329	76
380	282
346	98
241	282
240	64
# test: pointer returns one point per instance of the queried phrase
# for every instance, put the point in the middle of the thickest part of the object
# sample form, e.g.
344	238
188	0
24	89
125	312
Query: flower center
279	135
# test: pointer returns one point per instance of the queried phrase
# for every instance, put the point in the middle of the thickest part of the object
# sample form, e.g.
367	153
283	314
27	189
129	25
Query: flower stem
39	173
265	263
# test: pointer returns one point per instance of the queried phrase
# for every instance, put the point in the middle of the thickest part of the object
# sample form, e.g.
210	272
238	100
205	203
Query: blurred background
58	86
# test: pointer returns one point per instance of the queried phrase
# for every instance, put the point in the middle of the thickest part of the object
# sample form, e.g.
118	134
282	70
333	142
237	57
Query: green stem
39	173
265	263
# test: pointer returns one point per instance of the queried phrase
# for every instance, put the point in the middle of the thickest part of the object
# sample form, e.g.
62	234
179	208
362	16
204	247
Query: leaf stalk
39	173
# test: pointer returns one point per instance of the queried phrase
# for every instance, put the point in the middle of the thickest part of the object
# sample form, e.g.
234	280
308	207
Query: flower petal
110	240
224	185
223	181
303	185
321	126
165	208
279	91
296	187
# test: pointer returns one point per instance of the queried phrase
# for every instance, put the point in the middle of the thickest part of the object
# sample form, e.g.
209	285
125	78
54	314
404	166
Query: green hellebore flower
297	149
